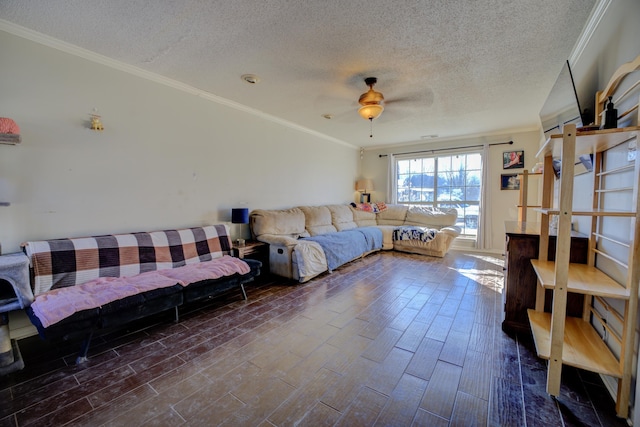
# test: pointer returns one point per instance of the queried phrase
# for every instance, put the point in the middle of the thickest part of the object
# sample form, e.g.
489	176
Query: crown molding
598	12
71	49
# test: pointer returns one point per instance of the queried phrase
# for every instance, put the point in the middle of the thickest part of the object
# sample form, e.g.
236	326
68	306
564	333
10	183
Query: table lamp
364	186
240	216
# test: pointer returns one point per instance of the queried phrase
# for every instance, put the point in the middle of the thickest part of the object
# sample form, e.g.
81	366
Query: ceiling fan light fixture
371	101
370	111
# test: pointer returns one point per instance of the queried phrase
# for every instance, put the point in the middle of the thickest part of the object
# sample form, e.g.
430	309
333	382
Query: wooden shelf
10	138
523	199
592	212
587	142
582	348
583	279
522	242
571	340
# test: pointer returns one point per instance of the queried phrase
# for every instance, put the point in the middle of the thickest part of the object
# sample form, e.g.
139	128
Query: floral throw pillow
370	207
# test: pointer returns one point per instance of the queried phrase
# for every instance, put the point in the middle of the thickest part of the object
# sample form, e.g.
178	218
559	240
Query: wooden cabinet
563	339
522	242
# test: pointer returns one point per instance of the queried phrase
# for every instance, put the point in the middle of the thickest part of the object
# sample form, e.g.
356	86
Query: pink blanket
58	304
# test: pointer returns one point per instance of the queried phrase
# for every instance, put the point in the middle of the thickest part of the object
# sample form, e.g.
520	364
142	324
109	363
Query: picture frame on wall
509	181
513	159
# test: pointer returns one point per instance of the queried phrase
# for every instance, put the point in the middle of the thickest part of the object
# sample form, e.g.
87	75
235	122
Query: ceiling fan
372	103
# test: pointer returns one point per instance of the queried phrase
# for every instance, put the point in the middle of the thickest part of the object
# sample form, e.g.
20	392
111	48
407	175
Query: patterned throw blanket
73	275
68	262
424	234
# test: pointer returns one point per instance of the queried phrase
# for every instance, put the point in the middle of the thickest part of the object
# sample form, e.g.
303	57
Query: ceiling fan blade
423	98
404	99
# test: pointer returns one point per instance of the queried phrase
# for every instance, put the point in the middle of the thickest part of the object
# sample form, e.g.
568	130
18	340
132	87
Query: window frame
469	219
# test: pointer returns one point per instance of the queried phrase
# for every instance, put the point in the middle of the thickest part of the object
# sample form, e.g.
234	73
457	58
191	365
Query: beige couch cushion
342	217
393	215
363	218
387	236
425	216
318	220
288	222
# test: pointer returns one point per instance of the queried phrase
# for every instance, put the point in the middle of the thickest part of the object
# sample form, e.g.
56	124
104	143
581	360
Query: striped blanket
69	262
85	274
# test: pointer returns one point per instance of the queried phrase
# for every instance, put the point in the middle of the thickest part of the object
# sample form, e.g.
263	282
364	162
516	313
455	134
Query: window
447	181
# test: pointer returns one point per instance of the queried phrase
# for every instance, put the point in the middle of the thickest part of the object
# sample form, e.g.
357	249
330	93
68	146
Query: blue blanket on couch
344	246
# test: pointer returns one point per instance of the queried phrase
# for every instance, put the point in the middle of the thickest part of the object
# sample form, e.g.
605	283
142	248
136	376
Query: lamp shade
7	125
364	185
9	131
370	111
240	216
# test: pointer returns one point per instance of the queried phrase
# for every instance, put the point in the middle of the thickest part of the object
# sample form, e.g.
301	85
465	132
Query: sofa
82	285
292	234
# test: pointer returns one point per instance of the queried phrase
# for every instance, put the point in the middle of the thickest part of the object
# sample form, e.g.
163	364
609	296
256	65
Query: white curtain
485	231
392	190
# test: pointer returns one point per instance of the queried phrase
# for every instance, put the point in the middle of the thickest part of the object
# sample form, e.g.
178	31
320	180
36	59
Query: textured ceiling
449	68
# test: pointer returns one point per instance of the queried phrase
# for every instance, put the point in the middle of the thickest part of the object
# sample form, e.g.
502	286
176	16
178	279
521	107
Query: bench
82	285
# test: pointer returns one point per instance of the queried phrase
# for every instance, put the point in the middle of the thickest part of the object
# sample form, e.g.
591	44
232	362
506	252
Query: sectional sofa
293	235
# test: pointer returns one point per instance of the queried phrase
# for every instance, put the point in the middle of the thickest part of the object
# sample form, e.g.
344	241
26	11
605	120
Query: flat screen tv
562	105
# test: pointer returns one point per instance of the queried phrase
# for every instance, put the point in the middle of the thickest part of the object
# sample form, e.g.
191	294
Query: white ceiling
451	68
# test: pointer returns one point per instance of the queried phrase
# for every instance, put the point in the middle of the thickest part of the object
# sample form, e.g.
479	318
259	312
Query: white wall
167	158
613	42
502	204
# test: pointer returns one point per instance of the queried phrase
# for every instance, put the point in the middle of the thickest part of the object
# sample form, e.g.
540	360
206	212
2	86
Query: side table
254	249
15	294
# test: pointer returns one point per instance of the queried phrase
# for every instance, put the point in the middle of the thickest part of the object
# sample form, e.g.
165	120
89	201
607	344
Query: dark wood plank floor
391	340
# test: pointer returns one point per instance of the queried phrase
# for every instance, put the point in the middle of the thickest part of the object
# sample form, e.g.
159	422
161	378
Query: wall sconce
240	216
364	186
96	124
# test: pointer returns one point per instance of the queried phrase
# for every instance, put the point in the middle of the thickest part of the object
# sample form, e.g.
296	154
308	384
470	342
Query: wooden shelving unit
576	352
523	203
574	341
582	279
593	141
594	212
522	242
